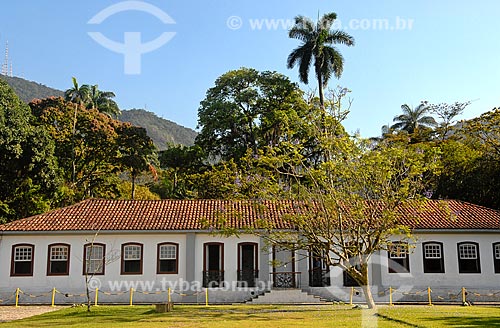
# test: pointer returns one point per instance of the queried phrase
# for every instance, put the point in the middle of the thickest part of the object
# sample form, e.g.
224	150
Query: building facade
160	247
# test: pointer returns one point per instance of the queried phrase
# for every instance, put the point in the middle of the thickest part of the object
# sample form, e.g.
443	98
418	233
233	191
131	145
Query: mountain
162	131
29	90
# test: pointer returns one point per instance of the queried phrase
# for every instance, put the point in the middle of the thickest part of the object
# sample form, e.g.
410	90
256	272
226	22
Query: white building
153	246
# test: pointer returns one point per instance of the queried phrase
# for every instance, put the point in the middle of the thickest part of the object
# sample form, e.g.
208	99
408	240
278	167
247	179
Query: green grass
265	316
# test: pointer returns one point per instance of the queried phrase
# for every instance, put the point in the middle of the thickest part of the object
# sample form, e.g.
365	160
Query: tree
247	110
348	207
180	162
102	101
317	49
414	121
90	148
79	96
447	113
28	168
137	151
471	161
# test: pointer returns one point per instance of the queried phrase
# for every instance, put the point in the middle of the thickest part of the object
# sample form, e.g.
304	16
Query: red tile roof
122	215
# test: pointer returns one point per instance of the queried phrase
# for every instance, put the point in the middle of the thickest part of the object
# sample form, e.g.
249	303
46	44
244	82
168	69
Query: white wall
230	254
451	278
75	281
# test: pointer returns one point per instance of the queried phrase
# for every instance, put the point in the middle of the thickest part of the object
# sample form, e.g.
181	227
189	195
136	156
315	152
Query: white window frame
467	251
94	260
433	254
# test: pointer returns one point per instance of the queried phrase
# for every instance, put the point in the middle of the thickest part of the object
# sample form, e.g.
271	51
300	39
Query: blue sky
449	53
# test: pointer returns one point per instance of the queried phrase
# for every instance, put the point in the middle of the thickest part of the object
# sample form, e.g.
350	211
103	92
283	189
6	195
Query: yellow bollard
96	296
131	296
206	297
429	291
17	297
53	296
169	298
390	296
464	299
350	297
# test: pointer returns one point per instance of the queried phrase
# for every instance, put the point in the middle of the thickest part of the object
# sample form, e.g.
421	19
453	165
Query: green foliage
162	131
28	168
471	157
179	164
92	98
415	121
247	110
317	49
137	151
141	192
95	145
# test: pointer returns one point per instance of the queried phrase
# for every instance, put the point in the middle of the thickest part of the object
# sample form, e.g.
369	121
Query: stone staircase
286	296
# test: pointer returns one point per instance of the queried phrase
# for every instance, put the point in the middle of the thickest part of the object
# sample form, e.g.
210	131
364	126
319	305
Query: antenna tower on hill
5	66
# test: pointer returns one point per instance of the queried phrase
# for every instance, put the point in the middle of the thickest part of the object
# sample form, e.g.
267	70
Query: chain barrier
463	295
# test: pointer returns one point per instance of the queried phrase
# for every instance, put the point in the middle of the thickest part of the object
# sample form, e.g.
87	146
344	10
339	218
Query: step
286	296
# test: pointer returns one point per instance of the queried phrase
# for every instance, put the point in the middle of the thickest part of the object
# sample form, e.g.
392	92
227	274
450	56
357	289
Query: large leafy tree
179	164
471	161
137	151
247	110
28	169
318	49
90	148
346	208
414	119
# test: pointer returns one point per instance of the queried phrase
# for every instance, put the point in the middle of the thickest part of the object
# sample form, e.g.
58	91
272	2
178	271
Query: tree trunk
366	286
87	287
73	151
322	102
133	184
321	96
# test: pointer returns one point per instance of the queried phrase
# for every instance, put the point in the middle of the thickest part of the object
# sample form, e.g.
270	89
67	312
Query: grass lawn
266	316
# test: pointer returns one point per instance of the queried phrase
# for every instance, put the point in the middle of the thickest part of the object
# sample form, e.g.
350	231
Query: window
167	258
398	258
468	258
22	260
94	259
433	257
496	256
213	264
58	260
131	258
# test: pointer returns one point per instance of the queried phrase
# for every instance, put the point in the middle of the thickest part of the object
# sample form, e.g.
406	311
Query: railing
319	278
285	279
213	278
247	278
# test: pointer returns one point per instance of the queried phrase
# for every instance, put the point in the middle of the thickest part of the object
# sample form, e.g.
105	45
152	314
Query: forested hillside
29	90
162	131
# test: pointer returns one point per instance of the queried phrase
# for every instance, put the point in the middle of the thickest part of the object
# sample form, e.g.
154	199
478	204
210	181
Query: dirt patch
9	313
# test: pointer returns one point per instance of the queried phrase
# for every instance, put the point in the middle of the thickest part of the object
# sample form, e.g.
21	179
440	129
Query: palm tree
413	119
78	95
102	101
317	46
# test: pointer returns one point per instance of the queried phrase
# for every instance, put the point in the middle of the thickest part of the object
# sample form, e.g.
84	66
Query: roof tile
152	215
